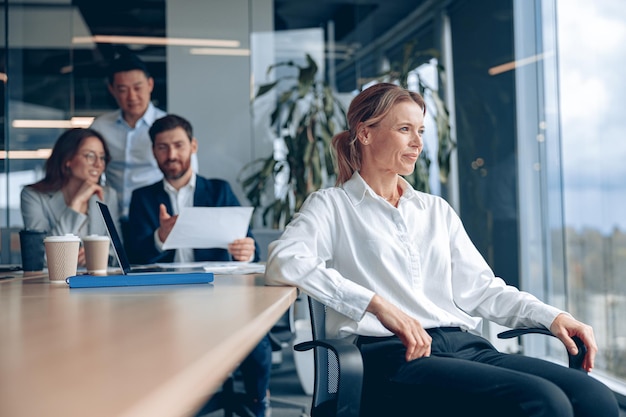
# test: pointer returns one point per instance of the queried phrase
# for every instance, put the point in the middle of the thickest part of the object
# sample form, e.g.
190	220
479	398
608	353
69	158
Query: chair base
278	402
233	403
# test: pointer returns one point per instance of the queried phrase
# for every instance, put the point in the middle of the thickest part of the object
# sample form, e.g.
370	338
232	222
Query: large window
592	90
538	98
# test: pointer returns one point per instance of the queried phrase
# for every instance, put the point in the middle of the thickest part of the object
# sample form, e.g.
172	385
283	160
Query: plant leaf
266	88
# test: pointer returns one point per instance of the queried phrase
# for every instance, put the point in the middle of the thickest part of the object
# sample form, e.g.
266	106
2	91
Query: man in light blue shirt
126	130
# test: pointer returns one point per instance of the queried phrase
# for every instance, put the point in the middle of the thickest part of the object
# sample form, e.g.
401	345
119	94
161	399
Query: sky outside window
592	59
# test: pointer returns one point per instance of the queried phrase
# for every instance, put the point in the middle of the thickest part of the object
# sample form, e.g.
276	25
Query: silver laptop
120	253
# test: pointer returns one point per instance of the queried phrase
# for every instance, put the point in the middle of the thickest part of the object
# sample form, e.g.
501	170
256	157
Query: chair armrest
350	364
575	361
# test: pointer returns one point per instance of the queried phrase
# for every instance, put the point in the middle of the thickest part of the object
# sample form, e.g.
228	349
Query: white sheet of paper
218	267
208	227
235	267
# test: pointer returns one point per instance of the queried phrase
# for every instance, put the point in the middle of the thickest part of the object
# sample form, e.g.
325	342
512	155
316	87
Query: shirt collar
148	117
357	188
190	185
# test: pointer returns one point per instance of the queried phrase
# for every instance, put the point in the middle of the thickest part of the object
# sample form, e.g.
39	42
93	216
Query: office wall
213	91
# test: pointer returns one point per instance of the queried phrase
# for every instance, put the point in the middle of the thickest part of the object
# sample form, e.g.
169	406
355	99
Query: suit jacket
48	212
143	218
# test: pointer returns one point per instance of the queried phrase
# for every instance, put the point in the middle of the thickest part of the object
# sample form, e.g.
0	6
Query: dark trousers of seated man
255	372
466	375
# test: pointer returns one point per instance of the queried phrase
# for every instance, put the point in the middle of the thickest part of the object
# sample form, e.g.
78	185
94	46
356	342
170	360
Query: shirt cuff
353	300
547	315
157	242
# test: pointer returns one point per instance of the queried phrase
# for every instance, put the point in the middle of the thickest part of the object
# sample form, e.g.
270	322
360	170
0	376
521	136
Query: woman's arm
300	256
410	331
33	211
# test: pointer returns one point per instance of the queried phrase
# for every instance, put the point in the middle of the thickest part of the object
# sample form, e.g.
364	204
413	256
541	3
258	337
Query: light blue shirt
347	244
132	162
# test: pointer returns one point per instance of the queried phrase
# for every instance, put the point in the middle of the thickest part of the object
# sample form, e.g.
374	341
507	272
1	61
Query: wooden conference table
127	351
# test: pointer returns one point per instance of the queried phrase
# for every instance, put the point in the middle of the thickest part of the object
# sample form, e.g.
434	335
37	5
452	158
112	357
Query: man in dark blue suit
153	213
154	208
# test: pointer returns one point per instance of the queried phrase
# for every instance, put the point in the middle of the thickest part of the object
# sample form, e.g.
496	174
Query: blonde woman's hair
369	107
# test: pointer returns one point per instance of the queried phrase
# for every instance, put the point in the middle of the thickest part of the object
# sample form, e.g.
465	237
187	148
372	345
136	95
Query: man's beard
178	174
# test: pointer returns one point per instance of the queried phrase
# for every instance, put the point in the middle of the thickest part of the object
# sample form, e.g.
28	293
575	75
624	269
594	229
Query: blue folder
161	278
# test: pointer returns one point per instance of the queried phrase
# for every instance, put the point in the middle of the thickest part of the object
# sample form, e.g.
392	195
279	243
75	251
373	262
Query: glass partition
55	80
4	140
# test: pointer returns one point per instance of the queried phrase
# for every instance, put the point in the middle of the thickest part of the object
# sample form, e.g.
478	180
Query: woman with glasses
64	201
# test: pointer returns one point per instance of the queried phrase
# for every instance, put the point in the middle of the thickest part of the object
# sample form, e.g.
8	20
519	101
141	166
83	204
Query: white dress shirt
179	198
347	244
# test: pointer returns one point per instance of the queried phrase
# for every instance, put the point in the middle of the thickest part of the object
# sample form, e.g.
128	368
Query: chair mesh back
333	372
326	364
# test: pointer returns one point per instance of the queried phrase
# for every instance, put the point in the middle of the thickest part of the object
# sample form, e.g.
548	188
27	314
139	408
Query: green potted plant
306	117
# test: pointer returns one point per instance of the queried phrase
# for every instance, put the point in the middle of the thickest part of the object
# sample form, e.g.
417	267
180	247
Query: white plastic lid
68	237
95	237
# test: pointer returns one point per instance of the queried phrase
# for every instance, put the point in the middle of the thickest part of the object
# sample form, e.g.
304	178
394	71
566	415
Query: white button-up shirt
347	244
179	198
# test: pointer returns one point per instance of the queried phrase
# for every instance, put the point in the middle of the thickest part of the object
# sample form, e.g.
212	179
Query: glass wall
531	90
46	82
592	92
57	54
486	130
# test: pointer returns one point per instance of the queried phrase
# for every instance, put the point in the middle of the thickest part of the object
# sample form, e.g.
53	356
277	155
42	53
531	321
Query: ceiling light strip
217	51
36	154
52	124
499	69
149	40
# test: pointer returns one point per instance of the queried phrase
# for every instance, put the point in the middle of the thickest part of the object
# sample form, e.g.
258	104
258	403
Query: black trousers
466	375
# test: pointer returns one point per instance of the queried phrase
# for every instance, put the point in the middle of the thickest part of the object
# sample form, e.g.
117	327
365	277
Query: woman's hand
242	249
565	327
80	201
410	331
81	256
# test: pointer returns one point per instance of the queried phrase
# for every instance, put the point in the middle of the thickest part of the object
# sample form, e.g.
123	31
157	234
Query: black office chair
338	370
574	361
339	366
281	335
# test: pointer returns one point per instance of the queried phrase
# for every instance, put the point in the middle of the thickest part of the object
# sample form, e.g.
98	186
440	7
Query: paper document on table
234	267
218	267
208	227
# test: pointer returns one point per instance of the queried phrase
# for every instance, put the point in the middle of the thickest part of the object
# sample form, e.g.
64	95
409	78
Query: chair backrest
263	238
325	389
10	252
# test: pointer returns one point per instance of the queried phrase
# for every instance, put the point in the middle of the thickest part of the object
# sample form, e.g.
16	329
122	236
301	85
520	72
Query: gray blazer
48	212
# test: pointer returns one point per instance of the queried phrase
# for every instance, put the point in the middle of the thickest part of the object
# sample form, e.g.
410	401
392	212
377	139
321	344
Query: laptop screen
118	247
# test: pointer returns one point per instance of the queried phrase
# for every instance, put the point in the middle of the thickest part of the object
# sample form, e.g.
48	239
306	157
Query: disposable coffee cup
62	255
32	250
96	254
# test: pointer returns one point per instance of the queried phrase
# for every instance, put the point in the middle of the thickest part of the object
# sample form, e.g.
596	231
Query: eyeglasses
91	158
